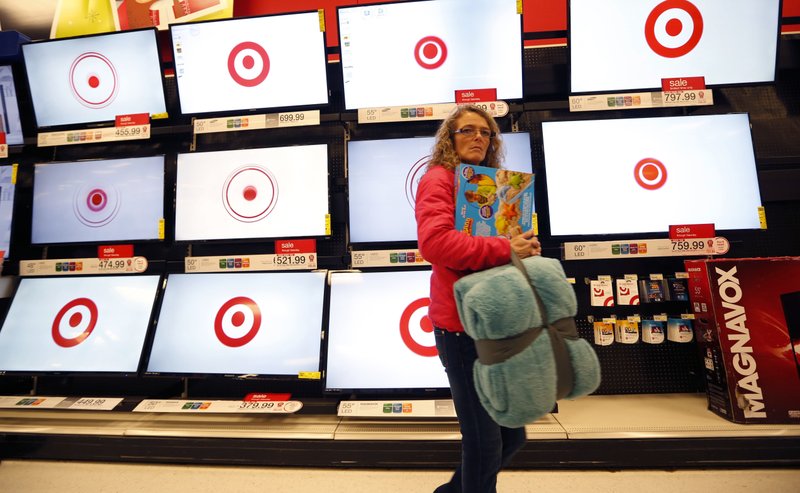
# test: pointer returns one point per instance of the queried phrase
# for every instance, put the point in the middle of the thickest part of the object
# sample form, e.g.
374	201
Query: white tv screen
7	187
78	324
9	109
101	200
639	175
250	63
252	193
422	52
632	44
383	177
94	78
379	335
239	324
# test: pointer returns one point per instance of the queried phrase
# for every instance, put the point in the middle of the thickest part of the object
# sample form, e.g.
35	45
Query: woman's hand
526	245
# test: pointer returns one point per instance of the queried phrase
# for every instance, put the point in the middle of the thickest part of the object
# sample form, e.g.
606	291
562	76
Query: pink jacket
452	253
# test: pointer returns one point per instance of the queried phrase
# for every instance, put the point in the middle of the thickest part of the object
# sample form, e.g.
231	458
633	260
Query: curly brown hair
444	153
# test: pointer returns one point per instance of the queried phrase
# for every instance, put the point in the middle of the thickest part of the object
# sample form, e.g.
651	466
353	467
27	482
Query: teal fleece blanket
498	305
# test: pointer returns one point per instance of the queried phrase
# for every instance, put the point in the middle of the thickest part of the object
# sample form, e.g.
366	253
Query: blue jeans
486	447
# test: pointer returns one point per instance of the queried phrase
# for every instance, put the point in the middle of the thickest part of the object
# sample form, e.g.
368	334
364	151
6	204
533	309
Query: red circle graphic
425	325
74	320
237	319
412	179
93	81
673	28
650	173
248	62
259	199
426	51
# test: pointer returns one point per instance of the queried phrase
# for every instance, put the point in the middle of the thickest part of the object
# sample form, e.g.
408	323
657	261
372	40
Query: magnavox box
747	323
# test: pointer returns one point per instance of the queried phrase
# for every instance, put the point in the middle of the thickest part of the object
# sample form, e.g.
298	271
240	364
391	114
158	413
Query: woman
468	135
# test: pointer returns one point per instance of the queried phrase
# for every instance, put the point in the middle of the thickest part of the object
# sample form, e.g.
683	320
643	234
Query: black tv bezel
241	240
659	88
164	204
655	234
150	341
339	8
91	373
93	123
248	110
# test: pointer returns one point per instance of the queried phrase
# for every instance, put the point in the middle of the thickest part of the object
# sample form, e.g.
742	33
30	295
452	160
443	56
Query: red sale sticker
691	231
683	84
133	119
475	95
295	246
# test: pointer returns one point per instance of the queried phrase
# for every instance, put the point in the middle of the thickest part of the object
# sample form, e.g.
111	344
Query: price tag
29	402
387	258
398	409
256	122
604	278
252	263
631	277
660	318
696	97
298	118
645	248
217	406
89	136
687	316
640	100
656	277
424	112
697	246
635	318
93	403
82	266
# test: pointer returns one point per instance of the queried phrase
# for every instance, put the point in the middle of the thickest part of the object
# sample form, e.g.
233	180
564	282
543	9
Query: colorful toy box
493	202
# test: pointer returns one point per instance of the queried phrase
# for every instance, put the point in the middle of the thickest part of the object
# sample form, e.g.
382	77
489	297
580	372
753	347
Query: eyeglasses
470	132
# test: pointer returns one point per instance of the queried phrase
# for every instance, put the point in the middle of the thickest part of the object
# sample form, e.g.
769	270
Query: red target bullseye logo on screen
412	179
430	52
673	28
650	173
416	329
248	64
237	321
96	205
250	193
74	322
93	80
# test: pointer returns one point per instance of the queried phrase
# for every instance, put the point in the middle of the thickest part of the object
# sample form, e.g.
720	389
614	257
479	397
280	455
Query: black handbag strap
559	330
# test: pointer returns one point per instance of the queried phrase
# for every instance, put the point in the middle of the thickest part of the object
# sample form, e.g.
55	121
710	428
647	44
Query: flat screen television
257	324
423	51
250	63
7	187
97	201
10	123
383	177
621	45
380	339
93	79
95	324
252	193
641	175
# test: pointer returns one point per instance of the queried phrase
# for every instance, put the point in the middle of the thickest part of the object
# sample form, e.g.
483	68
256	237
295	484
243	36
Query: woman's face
471	149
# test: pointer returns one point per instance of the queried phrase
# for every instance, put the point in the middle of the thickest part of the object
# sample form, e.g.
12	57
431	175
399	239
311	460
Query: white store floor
73	477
